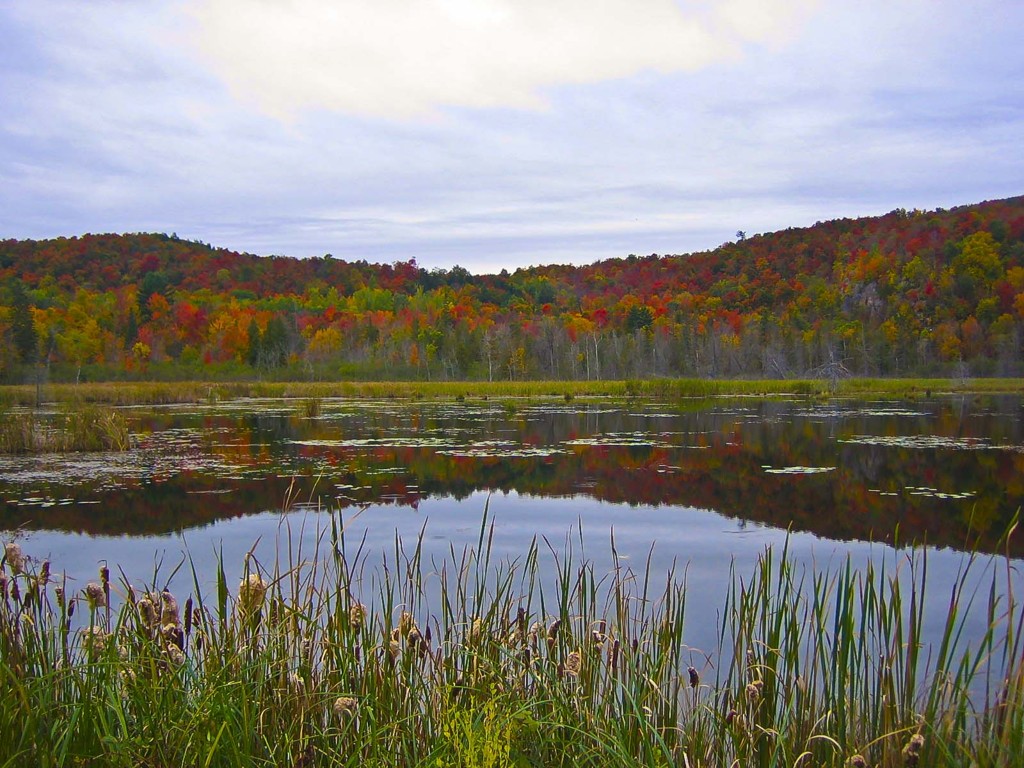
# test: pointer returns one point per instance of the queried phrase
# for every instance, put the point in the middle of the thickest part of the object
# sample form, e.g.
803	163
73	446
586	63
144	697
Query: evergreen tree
255	345
26	341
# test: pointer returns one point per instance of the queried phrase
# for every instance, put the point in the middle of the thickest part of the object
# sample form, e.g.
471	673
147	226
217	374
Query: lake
703	486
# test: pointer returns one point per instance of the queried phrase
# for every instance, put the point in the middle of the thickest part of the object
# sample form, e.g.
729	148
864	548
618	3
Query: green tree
23	329
255	352
639	317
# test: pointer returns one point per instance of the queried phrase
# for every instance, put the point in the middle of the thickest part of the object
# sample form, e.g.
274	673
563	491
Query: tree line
907	293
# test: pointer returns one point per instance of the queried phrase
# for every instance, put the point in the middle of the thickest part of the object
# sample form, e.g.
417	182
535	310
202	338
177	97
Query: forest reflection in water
699	487
947	472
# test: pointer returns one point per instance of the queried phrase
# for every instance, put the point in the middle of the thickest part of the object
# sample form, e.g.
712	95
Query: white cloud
402	58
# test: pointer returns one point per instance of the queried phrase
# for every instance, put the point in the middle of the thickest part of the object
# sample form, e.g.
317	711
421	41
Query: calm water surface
698	486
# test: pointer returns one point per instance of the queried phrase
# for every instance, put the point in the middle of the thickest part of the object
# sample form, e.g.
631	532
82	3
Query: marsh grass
321	658
75	427
157	393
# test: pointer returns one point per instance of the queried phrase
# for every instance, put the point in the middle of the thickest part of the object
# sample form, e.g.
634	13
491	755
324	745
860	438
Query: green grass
473	661
120	393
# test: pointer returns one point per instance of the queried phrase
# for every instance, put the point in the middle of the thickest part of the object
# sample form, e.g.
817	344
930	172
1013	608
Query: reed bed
323	658
73	429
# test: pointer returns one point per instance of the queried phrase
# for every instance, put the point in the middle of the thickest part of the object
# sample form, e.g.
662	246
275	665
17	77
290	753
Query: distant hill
908	292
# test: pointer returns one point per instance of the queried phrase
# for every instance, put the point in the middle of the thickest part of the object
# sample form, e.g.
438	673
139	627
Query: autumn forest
908	293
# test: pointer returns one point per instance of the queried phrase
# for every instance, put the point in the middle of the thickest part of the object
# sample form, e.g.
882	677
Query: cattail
357	615
573	664
188	616
94	639
406	623
535	630
173	635
16	560
598	635
730	716
176	655
476	631
694	677
912	752
613	656
553	634
414	636
105	583
44	572
345	706
251	592
425	645
754	690
95	595
553	629
147	612
59	592
169	609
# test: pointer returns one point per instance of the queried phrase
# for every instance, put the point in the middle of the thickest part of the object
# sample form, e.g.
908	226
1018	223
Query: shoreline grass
156	393
321	659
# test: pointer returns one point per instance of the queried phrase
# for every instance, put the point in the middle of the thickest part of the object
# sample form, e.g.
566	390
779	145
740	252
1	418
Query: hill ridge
903	292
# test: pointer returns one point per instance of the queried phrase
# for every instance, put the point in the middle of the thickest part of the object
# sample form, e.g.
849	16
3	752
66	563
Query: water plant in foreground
325	657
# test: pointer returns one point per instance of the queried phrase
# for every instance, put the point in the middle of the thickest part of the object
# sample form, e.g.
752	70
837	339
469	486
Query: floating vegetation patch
379	442
567	410
796	470
881	412
654	415
935	493
929	441
623	439
41	502
507	451
925	491
746	413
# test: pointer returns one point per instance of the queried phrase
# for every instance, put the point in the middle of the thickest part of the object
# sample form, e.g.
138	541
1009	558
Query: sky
499	133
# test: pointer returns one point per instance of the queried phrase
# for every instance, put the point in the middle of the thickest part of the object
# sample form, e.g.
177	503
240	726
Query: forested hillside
912	292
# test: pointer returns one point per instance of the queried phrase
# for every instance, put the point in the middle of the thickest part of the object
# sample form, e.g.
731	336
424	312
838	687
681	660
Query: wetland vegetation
474	660
154	392
74	427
